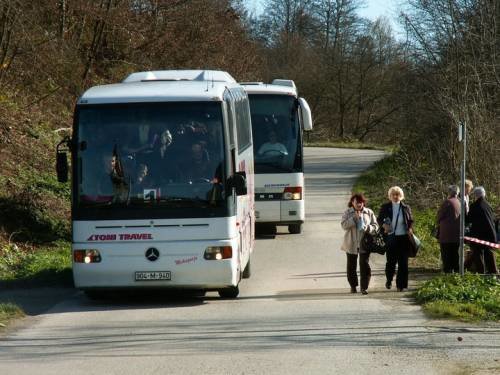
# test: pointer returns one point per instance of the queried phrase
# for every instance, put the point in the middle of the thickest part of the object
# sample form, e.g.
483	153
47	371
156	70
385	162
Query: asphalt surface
293	316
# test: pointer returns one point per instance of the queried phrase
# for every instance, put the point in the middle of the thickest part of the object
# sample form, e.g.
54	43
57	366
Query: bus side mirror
62	160
238	181
305	114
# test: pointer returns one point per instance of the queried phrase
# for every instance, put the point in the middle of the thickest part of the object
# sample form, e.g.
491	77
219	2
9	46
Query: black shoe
364	291
388	284
400	289
353	289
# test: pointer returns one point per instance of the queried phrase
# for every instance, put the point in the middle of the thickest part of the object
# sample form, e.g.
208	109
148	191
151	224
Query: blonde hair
468	183
396	190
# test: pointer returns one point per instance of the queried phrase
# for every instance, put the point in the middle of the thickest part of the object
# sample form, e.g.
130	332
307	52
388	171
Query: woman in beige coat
357	221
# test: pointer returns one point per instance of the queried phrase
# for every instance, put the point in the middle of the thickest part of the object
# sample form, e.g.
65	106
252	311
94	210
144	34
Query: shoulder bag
415	244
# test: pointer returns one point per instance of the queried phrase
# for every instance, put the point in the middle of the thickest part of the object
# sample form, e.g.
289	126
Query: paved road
294	316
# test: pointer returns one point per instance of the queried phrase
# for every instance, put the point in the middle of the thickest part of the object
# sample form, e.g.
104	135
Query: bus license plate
152	275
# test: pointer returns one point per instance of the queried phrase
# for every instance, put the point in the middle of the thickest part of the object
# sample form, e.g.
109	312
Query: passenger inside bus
272	147
163	161
198	167
118	180
141	180
144	140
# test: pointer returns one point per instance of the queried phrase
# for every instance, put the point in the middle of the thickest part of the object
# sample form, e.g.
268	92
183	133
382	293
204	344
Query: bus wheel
231	292
295	228
247	272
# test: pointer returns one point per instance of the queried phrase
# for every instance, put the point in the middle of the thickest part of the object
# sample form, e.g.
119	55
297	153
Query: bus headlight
218	252
86	256
292	193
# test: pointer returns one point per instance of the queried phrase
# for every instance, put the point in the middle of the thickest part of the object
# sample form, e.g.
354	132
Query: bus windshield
276	133
150	155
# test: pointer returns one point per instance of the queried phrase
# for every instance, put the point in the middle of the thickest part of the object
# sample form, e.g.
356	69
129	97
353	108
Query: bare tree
454	44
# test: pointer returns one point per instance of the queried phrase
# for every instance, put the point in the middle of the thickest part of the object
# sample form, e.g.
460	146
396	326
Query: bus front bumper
181	264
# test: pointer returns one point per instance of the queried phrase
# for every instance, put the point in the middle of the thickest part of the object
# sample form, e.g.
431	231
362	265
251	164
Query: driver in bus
272	147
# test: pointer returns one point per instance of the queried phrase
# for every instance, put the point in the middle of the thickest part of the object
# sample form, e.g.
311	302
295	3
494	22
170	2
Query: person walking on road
356	221
448	221
396	219
482	222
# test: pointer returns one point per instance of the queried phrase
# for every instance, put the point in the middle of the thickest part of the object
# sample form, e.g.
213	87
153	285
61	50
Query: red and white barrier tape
489	244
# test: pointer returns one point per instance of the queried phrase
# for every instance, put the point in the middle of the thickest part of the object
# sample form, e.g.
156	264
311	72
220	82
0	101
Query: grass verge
9	311
351	144
37	267
470	297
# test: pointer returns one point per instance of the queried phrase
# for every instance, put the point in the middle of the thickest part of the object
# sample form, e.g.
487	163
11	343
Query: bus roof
264	88
181	75
156	91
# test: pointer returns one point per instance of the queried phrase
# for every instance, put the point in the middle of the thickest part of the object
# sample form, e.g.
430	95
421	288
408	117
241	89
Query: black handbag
373	243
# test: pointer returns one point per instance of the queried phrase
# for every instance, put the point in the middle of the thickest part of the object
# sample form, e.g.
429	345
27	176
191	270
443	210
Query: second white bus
279	118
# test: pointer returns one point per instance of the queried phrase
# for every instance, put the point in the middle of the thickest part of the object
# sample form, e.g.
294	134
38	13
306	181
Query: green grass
9	311
43	266
470	297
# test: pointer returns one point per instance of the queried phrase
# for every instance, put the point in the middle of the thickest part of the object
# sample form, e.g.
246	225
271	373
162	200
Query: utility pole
462	137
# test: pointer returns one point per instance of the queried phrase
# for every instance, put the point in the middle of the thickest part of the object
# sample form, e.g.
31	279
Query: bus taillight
292	193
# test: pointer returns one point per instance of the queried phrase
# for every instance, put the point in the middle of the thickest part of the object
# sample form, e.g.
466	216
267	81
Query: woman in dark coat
448	221
482	222
396	218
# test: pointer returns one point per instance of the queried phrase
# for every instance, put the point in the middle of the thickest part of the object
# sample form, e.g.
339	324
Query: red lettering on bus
102	237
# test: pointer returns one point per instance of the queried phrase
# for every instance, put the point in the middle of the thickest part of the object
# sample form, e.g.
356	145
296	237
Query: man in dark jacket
482	223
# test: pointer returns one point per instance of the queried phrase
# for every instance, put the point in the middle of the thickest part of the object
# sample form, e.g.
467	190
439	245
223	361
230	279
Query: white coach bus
279	118
162	183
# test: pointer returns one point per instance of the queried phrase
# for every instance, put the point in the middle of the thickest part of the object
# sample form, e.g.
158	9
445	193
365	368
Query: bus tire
231	292
247	272
295	228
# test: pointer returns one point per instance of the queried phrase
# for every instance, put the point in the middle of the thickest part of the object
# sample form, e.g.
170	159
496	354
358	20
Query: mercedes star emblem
152	254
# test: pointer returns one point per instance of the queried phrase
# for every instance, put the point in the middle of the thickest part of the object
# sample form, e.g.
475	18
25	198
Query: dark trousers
365	272
398	254
449	257
483	259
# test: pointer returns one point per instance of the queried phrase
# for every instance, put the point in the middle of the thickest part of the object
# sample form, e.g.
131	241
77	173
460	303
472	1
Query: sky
373	9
